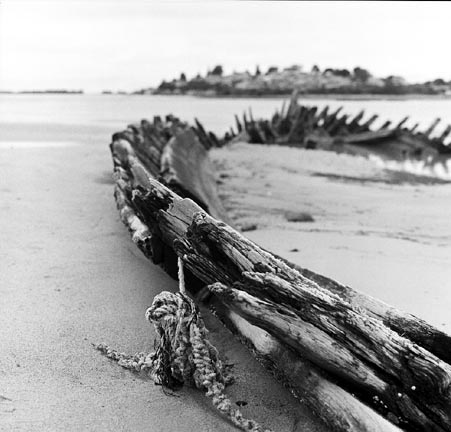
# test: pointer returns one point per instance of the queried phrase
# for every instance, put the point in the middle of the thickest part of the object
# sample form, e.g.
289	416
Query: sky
96	45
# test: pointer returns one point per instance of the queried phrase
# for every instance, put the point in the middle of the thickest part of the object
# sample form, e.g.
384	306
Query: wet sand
70	277
382	232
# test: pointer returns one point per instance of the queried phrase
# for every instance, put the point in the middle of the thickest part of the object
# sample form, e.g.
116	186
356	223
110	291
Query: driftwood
339	350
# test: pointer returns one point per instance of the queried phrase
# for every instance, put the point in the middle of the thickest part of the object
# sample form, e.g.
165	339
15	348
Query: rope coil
183	353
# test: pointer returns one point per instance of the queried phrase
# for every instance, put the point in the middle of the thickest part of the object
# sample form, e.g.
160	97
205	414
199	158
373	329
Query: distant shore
329	82
331	96
328	96
64	92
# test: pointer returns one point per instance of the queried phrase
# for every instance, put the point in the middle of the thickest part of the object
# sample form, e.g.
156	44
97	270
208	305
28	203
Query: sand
385	233
70	277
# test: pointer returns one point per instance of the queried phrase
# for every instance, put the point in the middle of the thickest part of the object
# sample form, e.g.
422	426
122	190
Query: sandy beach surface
70	277
385	233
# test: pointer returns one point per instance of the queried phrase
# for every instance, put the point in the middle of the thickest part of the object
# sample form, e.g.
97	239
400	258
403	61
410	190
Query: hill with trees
275	81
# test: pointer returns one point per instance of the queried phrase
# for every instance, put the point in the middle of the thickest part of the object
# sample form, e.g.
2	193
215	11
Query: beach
71	276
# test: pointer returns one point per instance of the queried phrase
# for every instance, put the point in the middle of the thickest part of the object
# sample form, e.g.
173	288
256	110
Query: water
32	120
116	111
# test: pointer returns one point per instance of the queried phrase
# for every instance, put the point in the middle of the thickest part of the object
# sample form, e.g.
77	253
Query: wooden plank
402	122
431	128
367	125
386	125
321	116
414	127
331	118
373	137
238	124
445	133
354	123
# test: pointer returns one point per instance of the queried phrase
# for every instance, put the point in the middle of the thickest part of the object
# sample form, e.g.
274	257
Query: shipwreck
358	363
309	127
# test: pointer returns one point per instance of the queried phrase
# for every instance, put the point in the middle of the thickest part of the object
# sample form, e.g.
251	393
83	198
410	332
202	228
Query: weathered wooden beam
245	121
214	141
148	143
372	137
331	118
295	133
145	152
321	116
153	133
414	127
445	133
334	125
354	123
386	125
251	117
366	126
238	124
203	136
336	407
311	114
293	104
431	128
282	110
259	129
405	324
269	132
283	325
402	122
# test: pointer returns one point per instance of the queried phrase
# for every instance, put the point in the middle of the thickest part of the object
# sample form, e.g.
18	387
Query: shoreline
327	96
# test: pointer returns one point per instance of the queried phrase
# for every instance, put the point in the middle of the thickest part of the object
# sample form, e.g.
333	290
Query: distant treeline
284	81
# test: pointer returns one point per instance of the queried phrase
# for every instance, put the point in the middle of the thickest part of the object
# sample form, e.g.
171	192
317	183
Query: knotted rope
183	353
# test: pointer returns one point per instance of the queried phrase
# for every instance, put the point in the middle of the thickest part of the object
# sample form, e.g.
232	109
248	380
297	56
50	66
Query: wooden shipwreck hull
308	127
359	364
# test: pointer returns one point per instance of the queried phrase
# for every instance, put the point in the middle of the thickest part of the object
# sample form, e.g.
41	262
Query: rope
183	353
181	276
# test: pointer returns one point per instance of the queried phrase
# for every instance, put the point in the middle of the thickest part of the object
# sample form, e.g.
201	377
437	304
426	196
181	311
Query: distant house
376	82
396	80
294	68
